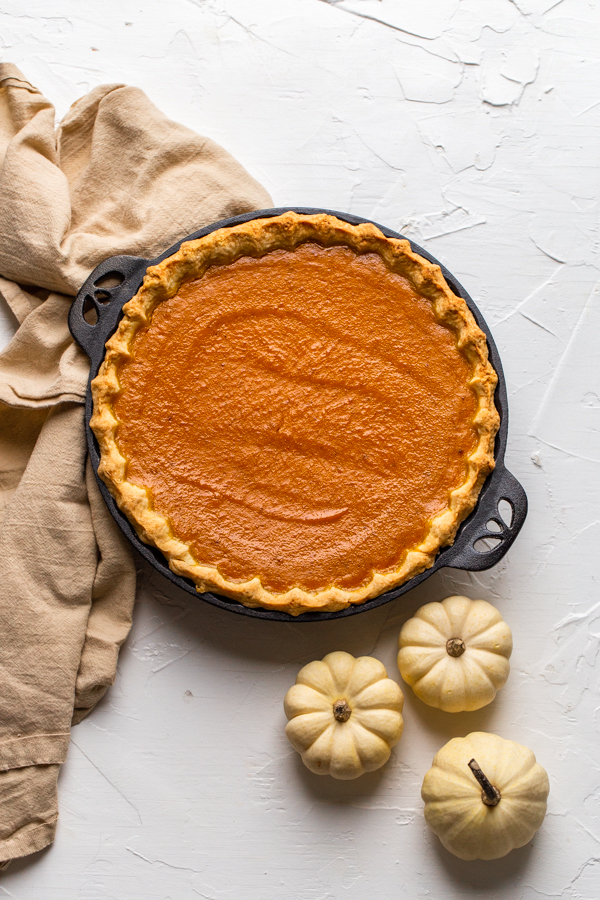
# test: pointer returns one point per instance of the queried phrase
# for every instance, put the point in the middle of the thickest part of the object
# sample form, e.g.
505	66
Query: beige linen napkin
116	177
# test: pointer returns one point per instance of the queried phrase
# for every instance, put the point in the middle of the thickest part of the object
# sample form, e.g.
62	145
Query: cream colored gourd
454	654
478	821
344	715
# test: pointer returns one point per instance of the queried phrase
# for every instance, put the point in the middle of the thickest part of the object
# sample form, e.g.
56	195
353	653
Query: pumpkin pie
297	412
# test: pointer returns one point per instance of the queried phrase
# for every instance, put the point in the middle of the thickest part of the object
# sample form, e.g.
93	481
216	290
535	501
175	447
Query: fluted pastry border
255	238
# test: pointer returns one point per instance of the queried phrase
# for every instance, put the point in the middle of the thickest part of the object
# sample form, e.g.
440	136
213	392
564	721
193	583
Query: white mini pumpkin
484	796
344	715
454	654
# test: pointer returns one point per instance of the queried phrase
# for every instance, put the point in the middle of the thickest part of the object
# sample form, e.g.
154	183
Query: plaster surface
472	128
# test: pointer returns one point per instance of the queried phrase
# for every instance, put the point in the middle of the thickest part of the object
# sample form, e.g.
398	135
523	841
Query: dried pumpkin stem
489	794
342	710
455	647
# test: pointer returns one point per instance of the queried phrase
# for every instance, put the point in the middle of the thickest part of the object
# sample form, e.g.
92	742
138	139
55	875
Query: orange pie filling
301	417
297	412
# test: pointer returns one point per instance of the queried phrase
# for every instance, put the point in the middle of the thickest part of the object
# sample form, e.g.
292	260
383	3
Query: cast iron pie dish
296	411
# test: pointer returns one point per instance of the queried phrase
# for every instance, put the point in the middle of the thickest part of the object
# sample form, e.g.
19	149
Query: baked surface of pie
296	411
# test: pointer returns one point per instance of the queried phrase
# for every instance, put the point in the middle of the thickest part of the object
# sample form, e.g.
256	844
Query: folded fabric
117	176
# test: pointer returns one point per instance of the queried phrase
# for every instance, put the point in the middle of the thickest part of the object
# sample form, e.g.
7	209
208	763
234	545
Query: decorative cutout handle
484	545
94	302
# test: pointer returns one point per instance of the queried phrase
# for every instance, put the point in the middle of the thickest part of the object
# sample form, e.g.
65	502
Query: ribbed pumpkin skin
453	806
455	684
362	743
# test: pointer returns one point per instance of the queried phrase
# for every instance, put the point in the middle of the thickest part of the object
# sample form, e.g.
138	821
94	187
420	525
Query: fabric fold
34	749
116	177
30	795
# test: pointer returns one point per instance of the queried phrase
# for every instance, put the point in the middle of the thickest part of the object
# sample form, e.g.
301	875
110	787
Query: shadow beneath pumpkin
485	873
445	725
326	789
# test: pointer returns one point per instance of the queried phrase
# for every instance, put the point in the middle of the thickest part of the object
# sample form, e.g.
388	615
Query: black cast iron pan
118	278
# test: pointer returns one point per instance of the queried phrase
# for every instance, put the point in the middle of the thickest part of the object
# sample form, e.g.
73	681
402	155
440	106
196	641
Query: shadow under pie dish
296	411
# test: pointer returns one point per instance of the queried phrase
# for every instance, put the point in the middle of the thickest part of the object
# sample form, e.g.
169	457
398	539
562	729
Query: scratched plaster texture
473	128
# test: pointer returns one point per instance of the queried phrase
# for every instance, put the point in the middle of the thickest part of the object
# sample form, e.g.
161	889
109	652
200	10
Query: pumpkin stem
342	710
489	794
455	647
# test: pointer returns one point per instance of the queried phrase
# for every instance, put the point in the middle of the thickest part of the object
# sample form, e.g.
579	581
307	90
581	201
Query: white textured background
471	126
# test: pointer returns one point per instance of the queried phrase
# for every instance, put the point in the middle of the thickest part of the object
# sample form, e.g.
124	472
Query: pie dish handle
101	297
489	532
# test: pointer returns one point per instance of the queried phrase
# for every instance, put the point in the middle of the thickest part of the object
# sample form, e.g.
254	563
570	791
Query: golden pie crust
254	240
